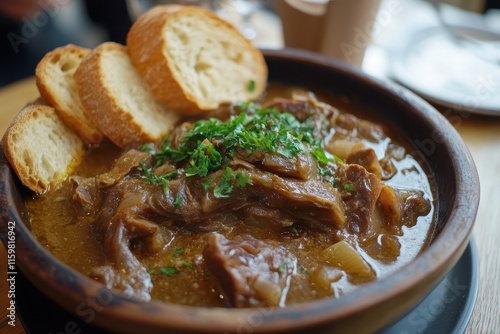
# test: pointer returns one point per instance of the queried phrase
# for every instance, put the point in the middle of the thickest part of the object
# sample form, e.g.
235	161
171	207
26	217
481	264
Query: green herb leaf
179	251
169	271
337	159
161	180
146	148
325	171
178	201
187	264
225	186
242	180
320	155
349	187
282	267
335	182
150	271
205	184
303	270
251	86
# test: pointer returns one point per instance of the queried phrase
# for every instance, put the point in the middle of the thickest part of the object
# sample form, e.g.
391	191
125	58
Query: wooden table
482	135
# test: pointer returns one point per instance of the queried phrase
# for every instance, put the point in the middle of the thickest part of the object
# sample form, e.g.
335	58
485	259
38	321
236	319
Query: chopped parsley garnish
210	145
320	155
335	182
178	201
338	160
303	270
251	86
349	187
187	264
242	180
146	148
205	184
161	180
283	266
225	186
179	251
204	159
169	271
150	271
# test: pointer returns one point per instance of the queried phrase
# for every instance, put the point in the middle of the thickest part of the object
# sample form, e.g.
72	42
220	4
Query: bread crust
26	173
100	104
146	46
75	119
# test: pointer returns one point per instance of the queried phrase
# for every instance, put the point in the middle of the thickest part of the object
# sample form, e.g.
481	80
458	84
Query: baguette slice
193	61
41	148
115	98
54	78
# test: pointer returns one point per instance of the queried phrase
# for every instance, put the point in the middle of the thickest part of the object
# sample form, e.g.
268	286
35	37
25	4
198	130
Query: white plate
442	71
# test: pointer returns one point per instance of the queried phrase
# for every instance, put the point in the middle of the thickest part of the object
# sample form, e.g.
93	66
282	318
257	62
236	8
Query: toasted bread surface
115	98
54	78
193	61
41	148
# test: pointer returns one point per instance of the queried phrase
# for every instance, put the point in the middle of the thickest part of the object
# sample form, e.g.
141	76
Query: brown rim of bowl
50	275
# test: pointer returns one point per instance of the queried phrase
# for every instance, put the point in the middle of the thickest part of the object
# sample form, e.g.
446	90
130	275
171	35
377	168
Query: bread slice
41	148
115	98
193	61
54	78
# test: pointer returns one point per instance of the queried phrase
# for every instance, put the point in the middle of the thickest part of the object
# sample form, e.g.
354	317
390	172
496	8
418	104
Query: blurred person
27	32
31	28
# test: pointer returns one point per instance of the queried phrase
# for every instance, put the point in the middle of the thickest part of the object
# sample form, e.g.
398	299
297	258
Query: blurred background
437	48
446	51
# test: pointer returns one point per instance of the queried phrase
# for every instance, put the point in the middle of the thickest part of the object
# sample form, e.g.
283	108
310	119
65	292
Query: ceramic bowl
366	309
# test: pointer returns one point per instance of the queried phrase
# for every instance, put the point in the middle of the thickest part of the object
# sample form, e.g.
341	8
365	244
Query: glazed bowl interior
378	304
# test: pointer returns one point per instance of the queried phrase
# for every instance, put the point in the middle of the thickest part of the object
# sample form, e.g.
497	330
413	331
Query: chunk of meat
366	158
307	108
250	272
313	203
84	194
262	216
300	109
356	127
342	148
121	220
414	205
123	166
302	105
300	167
360	191
390	205
123	271
400	207
178	134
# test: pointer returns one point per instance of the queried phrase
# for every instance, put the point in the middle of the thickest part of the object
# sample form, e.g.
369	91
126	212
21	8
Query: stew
266	204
